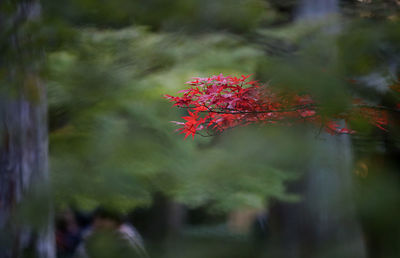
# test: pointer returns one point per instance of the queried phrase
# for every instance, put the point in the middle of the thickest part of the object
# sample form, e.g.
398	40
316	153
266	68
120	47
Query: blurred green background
107	64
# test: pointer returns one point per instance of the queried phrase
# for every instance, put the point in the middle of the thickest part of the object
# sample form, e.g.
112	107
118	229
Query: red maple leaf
220	102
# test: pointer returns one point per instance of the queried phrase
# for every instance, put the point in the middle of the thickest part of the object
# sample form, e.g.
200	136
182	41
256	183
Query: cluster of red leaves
220	102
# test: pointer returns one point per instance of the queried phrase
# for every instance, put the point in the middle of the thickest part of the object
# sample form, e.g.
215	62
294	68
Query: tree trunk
25	219
324	223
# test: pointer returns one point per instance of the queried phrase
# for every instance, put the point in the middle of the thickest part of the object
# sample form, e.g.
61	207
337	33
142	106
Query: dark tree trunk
324	223
25	221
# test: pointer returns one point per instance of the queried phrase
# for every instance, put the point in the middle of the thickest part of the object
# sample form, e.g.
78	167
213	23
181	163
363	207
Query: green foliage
111	140
110	127
190	15
245	168
377	46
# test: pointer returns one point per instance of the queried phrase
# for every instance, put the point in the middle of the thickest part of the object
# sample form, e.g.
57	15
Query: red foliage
221	102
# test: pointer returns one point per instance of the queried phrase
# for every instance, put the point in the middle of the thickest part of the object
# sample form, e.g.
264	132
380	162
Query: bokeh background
255	191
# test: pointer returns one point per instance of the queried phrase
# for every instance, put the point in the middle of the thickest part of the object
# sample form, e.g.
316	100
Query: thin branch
295	108
235	111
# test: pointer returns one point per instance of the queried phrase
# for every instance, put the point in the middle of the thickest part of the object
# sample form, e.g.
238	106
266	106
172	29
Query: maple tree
220	102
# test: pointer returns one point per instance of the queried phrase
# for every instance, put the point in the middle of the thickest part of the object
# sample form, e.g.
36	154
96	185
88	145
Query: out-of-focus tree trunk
25	216
324	223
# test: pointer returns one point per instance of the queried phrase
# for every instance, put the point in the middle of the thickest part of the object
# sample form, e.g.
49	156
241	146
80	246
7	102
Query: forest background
106	65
